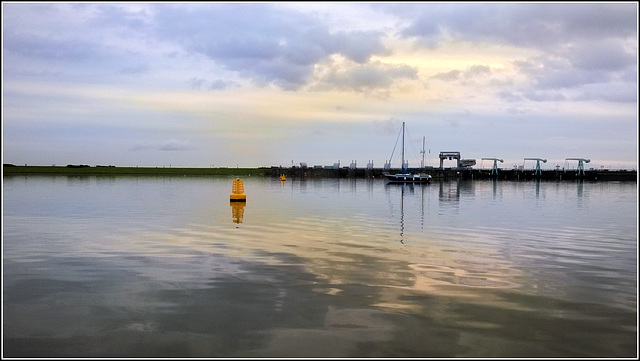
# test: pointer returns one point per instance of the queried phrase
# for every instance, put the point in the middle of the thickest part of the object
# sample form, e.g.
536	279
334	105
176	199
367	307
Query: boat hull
407	178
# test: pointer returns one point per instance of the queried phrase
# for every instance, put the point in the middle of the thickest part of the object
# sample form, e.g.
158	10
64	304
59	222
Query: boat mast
402	165
422	164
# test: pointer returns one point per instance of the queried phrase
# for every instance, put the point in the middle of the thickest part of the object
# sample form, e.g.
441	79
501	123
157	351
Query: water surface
168	267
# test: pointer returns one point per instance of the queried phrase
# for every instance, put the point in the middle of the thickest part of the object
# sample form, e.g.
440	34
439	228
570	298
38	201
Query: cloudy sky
262	84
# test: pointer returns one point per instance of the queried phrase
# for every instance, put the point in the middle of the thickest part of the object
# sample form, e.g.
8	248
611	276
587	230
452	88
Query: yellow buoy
237	191
283	178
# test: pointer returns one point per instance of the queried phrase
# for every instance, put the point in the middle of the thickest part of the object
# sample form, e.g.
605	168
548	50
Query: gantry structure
538	171
494	170
581	162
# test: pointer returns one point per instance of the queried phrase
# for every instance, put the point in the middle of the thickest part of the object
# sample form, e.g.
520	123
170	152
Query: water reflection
580	188
407	191
316	272
449	191
237	211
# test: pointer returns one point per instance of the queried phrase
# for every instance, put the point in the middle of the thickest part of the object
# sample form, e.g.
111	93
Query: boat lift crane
581	162
538	160
494	170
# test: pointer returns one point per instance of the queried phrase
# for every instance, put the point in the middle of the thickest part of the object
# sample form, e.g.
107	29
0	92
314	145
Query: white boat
405	176
408	178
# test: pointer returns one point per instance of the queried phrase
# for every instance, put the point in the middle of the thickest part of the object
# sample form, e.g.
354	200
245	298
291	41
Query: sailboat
406	176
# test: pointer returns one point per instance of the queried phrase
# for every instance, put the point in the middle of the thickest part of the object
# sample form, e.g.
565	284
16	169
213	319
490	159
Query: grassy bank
132	171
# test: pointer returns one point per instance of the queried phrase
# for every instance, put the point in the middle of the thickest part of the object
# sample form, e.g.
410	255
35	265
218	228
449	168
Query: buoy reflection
237	211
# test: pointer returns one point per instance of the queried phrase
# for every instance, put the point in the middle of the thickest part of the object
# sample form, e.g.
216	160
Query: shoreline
305	173
82	170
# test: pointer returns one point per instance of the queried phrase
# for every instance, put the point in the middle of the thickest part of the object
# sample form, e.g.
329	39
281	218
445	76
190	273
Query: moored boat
405	175
408	178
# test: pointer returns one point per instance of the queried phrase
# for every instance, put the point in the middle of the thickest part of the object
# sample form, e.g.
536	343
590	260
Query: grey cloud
169	145
618	95
196	83
51	49
369	76
118	17
221	84
135	70
357	46
260	41
471	72
66	39
557	73
539	96
477	70
448	76
601	55
568	78
140	146
543	25
387	126
532	95
176	145
509	96
580	43
518	110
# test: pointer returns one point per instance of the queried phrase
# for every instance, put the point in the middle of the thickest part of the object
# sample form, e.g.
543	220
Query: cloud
173	145
509	96
169	145
578	45
388	126
220	84
372	76
50	49
477	71
448	76
196	83
601	55
145	68
619	94
539	96
471	72
261	42
543	26
135	70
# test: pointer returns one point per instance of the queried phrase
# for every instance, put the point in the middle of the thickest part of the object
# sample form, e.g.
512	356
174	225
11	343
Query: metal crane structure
494	170
581	162
538	160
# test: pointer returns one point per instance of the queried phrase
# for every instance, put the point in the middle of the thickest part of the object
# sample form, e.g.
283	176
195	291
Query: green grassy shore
132	171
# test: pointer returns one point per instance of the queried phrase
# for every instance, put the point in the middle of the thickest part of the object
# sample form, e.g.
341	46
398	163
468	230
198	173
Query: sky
277	84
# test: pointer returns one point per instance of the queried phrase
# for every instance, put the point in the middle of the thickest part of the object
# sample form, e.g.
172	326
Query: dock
461	173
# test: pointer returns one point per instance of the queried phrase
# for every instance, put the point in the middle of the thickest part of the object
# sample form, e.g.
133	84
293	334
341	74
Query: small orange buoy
237	191
283	178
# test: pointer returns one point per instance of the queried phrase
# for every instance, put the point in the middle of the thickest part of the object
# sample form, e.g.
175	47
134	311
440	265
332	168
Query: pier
462	173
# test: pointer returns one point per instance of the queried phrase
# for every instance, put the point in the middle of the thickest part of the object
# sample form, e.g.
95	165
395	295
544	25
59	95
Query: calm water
160	266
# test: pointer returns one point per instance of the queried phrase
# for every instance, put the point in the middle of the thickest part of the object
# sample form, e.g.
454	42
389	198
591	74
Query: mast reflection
409	189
